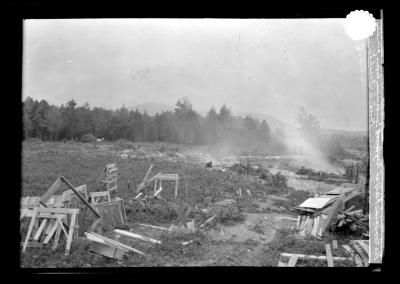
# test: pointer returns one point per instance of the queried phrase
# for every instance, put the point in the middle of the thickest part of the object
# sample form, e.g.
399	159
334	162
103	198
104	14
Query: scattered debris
354	220
316	214
102	239
293	257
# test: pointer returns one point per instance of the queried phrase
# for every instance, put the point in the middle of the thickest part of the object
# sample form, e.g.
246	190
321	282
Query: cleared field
254	239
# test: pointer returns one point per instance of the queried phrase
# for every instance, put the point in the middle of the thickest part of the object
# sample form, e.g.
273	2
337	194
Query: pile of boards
50	214
358	251
354	220
316	214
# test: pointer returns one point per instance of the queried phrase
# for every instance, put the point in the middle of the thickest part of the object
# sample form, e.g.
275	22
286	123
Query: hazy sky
270	66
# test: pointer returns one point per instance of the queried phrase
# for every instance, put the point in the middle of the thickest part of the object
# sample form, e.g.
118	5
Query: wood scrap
293	260
100	238
361	253
107	250
348	249
322	257
329	255
136	236
152	226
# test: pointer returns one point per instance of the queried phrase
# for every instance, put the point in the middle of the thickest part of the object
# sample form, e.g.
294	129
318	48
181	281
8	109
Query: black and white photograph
159	142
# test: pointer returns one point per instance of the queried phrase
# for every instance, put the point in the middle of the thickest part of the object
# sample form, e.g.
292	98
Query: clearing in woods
255	239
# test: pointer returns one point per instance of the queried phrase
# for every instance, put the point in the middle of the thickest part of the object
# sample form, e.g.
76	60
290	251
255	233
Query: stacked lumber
316	214
108	247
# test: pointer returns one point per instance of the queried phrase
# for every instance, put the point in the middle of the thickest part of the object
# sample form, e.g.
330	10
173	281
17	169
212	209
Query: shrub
88	137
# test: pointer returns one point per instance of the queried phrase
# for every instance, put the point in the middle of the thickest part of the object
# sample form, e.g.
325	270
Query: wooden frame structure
110	177
112	212
96	197
54	218
158	182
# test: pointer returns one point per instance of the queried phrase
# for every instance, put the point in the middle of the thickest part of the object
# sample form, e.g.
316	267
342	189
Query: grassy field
83	163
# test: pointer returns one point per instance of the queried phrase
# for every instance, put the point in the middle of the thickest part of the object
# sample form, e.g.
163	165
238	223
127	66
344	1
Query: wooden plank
351	208
33	244
329	255
147	173
52	231
136	236
57	210
315	227
70	233
281	264
151	226
293	260
57	236
49	226
348	249
298	222
363	255
39	231
107	250
358	261
334	244
289	218
137	196
364	245
116	243
158	191
322	257
30	229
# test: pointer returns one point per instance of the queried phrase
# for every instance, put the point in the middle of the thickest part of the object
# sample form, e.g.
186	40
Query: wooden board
293	260
281	264
362	254
107	250
112	212
136	236
114	243
329	255
321	257
348	249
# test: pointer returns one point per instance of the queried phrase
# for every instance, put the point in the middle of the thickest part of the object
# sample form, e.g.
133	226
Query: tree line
183	125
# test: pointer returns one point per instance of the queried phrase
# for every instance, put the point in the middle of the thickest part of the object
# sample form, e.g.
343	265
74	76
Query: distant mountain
153	108
275	124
